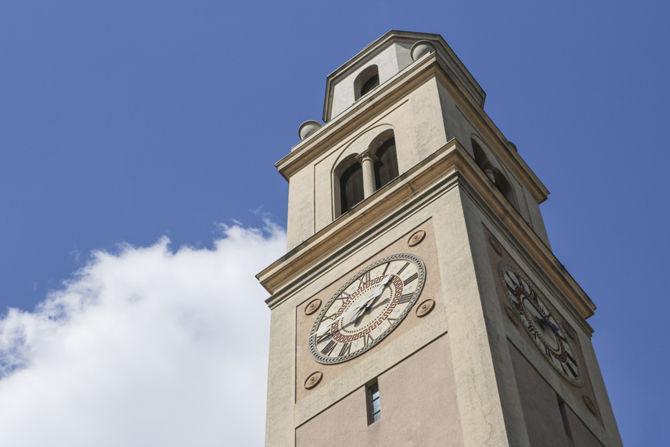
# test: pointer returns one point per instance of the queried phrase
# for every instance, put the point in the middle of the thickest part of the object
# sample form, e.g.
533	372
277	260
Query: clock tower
419	302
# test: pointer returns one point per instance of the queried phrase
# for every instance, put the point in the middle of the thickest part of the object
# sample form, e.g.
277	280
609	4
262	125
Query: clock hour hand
327	328
357	321
376	293
369	307
355	314
544	319
380	304
554	327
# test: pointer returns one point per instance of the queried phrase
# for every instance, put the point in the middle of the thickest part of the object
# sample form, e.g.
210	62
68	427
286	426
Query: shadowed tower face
420	303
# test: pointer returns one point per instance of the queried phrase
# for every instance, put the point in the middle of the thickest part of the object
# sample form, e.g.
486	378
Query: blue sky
122	122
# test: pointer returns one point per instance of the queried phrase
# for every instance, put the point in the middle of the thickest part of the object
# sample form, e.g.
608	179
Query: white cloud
147	347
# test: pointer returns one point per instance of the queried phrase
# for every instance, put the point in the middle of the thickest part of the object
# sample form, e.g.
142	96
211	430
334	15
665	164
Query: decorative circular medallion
424	308
313	306
416	238
590	404
313	379
368	307
541	325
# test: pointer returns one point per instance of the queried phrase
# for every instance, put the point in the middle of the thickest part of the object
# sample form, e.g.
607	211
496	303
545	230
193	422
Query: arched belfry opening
494	174
385	158
505	188
480	156
359	175
349	179
366	81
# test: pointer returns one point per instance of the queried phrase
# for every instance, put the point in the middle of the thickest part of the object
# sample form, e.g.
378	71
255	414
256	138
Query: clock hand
377	292
540	317
532	302
345	325
357	321
554	327
545	319
327	328
379	304
358	318
354	314
380	287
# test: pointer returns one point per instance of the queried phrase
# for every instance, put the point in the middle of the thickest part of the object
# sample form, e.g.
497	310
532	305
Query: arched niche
351	153
348	184
366	81
489	164
384	153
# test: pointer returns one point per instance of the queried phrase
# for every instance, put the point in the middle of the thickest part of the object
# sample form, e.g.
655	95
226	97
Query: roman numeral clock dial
541	325
369	306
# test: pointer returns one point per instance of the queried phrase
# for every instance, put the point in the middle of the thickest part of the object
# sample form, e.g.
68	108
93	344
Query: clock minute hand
554	327
376	293
379	304
379	290
366	303
327	329
359	310
357	320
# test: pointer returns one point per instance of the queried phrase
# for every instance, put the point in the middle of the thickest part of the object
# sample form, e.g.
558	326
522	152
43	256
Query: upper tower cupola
381	61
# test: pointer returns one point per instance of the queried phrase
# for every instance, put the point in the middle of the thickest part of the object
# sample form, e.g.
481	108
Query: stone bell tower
419	302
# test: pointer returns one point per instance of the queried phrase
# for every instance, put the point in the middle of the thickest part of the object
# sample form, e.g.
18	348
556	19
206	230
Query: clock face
367	308
541	325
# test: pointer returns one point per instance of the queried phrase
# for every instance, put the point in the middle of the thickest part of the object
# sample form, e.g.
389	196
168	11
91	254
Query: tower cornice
449	166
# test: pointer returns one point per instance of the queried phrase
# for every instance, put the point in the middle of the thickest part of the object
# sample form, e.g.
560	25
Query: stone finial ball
421	48
308	128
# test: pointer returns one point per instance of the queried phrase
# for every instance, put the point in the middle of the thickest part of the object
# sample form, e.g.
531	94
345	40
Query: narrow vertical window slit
373	402
564	418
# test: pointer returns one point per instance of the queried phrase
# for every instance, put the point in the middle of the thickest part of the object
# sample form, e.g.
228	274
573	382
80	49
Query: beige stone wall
281	393
458	313
487	388
305	362
509	341
479	332
418	128
458	125
581	435
300	223
518	336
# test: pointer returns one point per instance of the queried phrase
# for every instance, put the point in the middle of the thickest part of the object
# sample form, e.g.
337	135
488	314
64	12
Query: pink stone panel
539	404
418	403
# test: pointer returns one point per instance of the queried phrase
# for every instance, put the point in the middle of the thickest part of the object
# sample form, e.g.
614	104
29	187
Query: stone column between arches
368	165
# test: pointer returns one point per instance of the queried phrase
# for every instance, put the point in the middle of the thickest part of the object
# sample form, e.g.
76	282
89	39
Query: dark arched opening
494	174
386	162
366	81
351	187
